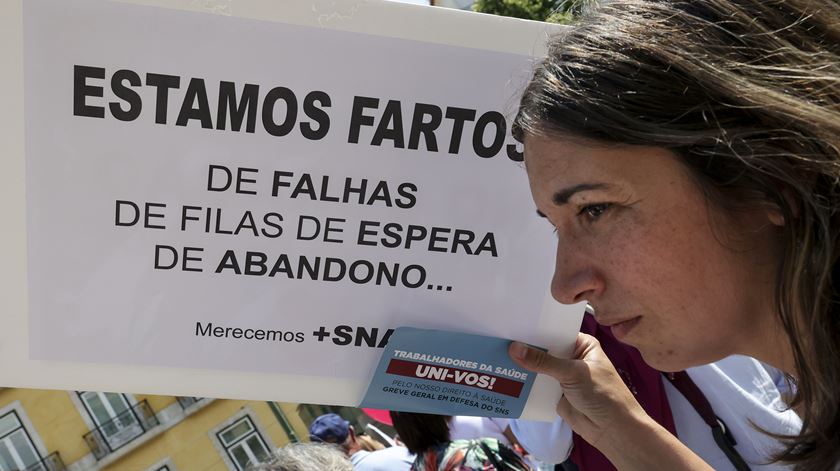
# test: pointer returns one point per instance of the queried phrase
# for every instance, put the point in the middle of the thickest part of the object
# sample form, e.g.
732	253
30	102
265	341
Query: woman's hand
598	406
595	399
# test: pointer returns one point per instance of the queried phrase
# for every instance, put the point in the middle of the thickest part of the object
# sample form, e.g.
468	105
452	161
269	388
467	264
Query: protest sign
258	197
449	373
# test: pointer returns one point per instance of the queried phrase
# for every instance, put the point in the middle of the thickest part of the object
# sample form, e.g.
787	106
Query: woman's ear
775	214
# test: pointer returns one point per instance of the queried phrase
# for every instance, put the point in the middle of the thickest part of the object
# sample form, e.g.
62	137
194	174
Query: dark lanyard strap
724	439
490	455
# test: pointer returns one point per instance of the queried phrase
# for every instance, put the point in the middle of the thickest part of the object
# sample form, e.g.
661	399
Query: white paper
96	302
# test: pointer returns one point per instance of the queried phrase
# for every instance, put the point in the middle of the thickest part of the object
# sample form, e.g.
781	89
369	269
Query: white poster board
240	199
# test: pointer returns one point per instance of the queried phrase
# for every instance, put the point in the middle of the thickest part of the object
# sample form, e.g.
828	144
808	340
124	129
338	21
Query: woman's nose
576	277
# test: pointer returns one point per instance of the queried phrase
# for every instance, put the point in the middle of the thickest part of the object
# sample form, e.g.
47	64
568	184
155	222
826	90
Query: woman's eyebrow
561	197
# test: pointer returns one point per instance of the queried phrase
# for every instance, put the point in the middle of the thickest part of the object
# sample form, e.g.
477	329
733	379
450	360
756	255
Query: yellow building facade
43	430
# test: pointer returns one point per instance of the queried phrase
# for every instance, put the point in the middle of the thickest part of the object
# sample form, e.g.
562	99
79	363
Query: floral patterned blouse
485	454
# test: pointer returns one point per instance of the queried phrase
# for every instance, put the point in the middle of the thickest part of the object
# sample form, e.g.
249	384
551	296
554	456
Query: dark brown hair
747	94
420	432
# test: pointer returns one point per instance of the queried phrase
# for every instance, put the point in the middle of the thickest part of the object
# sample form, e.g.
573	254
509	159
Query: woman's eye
594	211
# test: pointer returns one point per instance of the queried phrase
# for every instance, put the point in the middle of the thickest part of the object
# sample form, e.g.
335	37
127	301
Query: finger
537	360
585	346
577	420
565	409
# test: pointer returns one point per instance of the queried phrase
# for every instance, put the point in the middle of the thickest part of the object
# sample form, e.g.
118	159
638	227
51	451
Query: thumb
587	348
537	360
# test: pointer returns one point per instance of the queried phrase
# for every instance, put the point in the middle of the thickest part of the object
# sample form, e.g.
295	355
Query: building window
16	448
162	465
243	443
113	421
187	402
112	416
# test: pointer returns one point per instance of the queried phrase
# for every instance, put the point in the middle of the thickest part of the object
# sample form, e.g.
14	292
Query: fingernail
518	350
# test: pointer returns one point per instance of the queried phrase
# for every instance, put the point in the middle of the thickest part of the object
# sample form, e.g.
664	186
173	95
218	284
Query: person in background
427	436
306	457
332	428
463	427
367	443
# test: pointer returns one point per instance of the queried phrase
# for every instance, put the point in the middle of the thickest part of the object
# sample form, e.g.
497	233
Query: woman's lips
622	329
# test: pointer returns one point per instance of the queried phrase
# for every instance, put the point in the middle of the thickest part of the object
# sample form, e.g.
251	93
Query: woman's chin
666	360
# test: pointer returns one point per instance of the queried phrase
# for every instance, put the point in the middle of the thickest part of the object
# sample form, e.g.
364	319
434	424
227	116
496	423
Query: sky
415	2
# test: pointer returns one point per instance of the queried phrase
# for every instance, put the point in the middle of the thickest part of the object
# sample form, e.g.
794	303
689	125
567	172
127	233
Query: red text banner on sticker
458	376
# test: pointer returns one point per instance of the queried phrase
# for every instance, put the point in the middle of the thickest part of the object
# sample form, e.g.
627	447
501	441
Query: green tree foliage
553	11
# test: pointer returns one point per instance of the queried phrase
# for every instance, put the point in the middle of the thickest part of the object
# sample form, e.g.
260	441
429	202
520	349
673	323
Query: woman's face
681	281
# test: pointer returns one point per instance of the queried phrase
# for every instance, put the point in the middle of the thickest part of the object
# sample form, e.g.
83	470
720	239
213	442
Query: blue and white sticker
449	373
